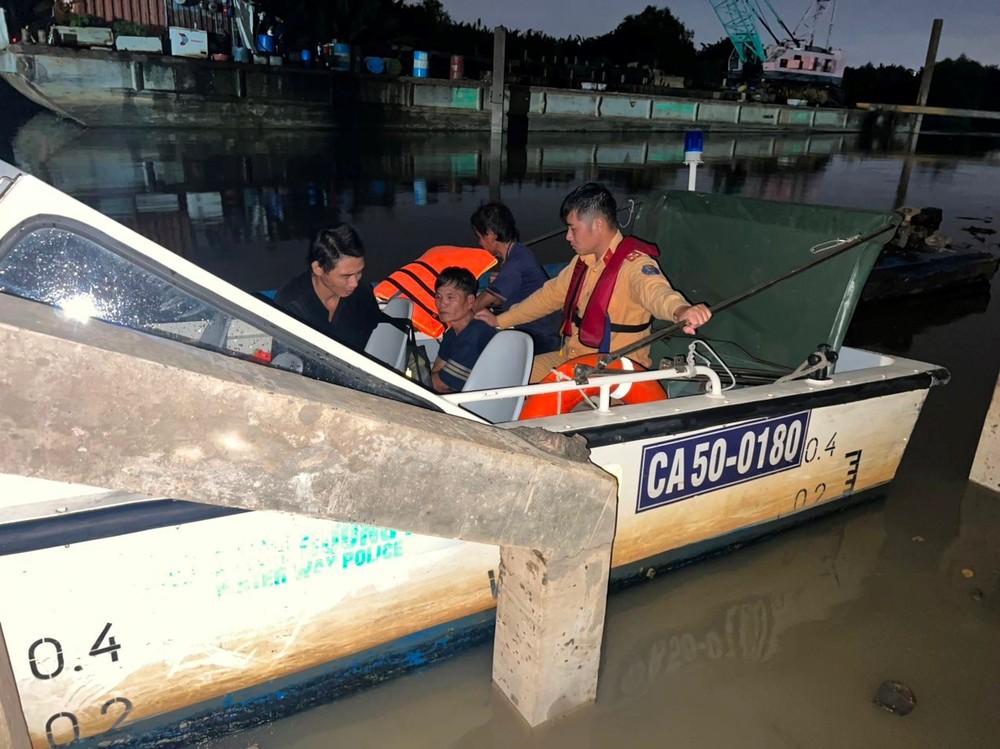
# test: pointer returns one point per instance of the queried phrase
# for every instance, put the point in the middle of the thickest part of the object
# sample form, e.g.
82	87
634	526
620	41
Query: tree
654	37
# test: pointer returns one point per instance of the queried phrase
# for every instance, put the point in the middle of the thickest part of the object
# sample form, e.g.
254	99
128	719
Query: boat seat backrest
505	362
387	343
399	307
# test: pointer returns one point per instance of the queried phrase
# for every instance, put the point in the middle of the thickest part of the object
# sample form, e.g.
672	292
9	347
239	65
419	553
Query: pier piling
106	406
986	466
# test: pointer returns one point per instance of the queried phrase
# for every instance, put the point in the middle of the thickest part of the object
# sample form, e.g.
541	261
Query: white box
139	44
188	42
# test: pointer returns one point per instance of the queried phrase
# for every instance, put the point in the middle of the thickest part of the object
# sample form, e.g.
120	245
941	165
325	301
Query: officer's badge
650	270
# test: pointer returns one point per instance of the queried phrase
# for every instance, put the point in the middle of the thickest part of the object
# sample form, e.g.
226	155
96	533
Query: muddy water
782	643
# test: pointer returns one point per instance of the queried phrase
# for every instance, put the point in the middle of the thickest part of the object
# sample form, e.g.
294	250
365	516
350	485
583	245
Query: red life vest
593	323
416	281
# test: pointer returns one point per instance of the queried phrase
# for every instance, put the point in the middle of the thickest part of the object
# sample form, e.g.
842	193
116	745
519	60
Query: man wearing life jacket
520	274
609	296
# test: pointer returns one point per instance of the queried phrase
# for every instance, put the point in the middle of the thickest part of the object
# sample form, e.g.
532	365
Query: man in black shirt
329	296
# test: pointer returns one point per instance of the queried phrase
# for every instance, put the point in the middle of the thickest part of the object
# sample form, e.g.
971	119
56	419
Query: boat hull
212	620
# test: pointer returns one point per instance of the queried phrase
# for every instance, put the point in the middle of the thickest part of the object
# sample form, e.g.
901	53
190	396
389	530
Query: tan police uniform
641	291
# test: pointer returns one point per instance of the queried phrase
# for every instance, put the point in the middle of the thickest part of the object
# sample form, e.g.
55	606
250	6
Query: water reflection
779	645
243	206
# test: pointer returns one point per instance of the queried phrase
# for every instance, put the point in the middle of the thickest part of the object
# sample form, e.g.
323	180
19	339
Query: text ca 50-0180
687	466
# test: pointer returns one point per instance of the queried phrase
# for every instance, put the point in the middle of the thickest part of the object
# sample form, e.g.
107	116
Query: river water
781	644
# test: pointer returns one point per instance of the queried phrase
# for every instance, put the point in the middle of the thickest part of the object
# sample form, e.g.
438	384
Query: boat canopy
716	246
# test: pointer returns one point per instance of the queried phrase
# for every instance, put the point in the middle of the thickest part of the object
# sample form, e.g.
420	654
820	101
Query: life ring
416	281
551	404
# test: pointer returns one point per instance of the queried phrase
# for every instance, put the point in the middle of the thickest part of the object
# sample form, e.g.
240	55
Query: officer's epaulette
635	254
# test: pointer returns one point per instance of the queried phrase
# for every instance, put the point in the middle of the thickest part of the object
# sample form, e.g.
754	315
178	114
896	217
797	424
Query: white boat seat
387	343
400	307
505	362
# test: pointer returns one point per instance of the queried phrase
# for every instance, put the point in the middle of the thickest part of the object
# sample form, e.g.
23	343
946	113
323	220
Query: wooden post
925	79
496	109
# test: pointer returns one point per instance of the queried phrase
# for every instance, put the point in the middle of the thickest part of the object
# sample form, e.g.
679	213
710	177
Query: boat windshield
87	276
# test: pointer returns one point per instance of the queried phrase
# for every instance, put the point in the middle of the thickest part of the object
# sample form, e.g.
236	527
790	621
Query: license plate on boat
687	466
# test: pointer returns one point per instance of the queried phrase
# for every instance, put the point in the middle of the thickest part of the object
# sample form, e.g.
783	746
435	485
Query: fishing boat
136	621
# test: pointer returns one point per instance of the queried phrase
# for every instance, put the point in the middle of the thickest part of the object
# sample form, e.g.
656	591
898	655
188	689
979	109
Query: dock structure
986	466
101	88
99	404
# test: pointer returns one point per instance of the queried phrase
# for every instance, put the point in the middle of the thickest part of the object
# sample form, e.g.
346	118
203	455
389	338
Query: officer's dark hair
332	243
590	201
461	278
496	218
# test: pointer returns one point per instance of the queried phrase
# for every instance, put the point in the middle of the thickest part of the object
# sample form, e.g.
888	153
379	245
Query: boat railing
614	384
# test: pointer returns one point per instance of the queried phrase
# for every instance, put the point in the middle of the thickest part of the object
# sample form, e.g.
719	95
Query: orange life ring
416	281
552	404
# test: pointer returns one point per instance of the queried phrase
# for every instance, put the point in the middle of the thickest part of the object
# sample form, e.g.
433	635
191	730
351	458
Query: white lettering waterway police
680	468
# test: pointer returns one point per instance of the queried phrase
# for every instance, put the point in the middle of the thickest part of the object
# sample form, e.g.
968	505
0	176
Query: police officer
609	295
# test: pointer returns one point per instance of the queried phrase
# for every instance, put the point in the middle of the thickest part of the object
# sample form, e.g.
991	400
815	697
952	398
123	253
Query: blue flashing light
694	142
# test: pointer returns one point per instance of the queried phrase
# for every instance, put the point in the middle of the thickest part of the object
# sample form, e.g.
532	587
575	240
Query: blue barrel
265	44
419	64
307	58
342	57
420	192
374	65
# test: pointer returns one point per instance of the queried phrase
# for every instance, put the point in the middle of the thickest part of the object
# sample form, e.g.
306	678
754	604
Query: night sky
878	31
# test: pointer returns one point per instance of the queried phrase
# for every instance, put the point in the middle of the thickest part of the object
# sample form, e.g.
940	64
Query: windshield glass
85	279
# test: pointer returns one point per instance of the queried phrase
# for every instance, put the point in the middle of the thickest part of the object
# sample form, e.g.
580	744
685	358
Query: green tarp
716	246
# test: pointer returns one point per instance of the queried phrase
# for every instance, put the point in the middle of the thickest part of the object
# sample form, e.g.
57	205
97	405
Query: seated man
329	295
466	337
520	274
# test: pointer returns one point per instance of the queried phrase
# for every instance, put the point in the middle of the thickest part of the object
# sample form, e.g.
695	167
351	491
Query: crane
792	60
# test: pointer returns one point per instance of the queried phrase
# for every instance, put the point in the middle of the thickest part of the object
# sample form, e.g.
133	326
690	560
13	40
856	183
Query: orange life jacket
416	281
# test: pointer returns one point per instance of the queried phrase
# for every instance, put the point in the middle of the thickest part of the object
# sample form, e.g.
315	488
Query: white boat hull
136	626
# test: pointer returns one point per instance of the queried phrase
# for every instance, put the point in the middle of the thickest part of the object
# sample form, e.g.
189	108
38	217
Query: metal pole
925	79
496	110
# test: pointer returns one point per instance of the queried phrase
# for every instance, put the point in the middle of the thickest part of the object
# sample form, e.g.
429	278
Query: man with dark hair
609	296
329	296
520	273
465	338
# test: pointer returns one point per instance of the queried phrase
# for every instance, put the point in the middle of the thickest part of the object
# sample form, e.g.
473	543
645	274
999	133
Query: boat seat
399	307
387	343
505	362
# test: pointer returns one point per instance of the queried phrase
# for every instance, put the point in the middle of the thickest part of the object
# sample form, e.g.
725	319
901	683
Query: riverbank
99	88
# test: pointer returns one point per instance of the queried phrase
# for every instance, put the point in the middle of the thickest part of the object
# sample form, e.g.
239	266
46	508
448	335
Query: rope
805	368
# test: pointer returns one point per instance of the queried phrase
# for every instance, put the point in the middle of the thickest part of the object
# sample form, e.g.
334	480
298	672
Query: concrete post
986	466
496	109
550	617
13	731
925	79
110	407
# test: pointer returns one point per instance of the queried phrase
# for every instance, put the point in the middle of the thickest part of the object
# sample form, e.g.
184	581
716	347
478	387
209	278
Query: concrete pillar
496	110
106	406
13	731
550	622
986	466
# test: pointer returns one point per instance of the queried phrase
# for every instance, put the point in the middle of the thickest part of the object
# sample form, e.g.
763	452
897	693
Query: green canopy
716	246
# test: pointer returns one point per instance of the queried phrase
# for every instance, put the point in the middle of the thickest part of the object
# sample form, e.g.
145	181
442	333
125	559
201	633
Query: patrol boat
284	612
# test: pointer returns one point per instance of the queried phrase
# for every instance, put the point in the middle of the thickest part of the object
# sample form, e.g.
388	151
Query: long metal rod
632	206
753	291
